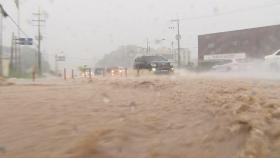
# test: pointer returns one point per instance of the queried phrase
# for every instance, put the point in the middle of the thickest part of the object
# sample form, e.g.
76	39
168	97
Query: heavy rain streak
139	79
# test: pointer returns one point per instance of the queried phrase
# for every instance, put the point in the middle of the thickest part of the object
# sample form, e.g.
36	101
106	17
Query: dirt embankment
164	117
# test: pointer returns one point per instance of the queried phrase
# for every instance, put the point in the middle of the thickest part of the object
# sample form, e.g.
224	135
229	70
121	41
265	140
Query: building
5	65
255	42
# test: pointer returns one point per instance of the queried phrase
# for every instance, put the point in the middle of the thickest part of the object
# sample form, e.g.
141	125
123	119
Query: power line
21	30
16	24
18	27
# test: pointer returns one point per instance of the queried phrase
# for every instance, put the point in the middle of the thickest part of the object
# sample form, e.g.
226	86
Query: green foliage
28	61
83	69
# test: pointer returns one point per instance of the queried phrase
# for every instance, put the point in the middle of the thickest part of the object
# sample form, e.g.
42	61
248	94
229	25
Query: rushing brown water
141	118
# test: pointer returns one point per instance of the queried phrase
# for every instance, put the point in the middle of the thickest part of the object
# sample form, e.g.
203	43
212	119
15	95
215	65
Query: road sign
60	58
178	37
225	56
25	41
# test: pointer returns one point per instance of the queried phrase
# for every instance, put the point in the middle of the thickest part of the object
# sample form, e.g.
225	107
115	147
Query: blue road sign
25	41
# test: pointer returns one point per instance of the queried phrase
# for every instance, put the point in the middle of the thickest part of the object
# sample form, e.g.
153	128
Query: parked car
273	60
153	63
99	71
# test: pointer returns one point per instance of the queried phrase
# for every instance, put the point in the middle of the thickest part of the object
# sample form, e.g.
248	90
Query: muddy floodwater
155	117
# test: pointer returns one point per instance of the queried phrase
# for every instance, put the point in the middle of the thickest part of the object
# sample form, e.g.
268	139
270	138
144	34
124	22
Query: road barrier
125	72
90	75
33	74
72	74
138	72
64	74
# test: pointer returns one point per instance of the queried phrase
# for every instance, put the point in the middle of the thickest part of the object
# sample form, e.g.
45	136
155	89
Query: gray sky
85	30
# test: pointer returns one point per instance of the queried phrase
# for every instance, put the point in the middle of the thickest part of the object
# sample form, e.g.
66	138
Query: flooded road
155	117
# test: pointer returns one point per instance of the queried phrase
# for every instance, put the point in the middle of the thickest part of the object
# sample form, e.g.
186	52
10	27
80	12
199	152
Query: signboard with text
225	56
60	58
25	41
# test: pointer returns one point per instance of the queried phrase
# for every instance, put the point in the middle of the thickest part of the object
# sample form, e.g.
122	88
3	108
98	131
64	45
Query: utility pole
178	37
56	64
1	41
15	54
39	22
172	49
18	45
3	14
12	66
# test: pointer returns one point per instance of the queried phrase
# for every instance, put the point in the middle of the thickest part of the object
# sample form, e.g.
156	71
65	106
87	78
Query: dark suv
154	63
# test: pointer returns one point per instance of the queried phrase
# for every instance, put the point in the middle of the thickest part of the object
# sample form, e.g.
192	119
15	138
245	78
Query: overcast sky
85	30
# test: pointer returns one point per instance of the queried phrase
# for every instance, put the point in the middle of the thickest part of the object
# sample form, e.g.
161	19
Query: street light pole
172	49
148	47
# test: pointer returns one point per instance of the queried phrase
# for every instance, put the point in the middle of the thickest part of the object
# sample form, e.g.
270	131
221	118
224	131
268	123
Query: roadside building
5	65
256	43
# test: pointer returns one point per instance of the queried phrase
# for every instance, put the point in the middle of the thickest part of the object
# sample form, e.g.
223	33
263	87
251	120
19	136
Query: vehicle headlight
153	69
